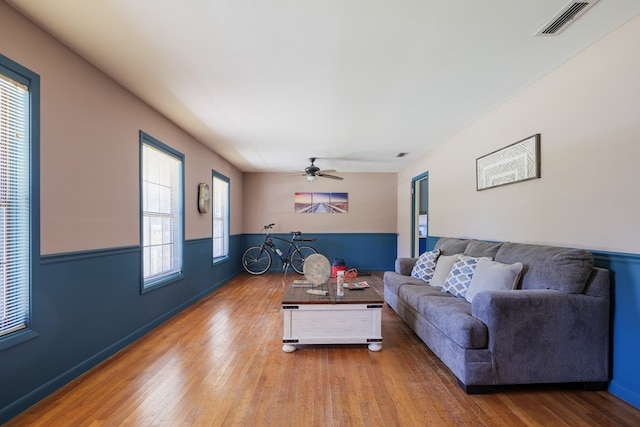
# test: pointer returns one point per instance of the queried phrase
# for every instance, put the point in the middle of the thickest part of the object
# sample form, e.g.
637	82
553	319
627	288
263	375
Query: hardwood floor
220	363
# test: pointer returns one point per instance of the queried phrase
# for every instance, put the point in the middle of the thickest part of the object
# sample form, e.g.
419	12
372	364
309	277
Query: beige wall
588	113
269	197
90	148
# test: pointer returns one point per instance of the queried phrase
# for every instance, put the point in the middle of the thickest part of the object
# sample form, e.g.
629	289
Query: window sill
162	282
220	260
17	337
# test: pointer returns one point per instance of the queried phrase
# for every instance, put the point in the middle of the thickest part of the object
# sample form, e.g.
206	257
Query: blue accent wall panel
431	242
625	276
364	251
86	306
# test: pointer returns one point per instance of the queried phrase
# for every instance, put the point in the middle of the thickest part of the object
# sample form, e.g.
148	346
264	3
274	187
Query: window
19	124
220	216
162	212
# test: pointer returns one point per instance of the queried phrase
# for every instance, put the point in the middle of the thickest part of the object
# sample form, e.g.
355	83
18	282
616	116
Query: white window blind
162	214
220	217
14	205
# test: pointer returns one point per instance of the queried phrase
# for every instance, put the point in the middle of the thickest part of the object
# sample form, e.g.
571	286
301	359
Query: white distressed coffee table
355	318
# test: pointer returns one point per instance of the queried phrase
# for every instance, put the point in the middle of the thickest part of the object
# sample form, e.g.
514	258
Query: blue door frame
415	209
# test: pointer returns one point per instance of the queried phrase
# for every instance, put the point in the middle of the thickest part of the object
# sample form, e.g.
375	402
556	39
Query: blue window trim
25	76
151	285
223	258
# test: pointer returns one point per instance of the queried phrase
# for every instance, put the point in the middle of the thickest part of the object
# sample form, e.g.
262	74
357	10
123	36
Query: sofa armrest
405	265
544	336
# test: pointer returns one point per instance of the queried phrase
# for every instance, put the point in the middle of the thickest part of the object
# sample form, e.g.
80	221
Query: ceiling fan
312	172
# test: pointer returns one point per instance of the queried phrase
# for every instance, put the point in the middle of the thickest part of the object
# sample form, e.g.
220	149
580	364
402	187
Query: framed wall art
321	202
517	162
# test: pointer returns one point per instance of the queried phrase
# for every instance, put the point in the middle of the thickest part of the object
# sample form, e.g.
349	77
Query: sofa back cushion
451	245
478	248
549	267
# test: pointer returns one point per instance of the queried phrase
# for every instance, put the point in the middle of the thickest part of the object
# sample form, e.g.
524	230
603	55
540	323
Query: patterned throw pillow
426	265
460	275
443	267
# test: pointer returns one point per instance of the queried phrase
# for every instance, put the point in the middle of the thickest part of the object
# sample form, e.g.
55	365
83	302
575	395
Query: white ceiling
269	83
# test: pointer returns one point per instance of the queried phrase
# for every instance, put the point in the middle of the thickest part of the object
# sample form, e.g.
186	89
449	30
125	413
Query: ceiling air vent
565	17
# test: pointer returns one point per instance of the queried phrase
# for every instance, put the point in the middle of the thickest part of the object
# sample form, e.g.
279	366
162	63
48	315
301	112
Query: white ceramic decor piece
317	269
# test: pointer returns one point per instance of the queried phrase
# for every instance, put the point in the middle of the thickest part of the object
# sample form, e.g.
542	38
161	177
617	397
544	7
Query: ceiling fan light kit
312	172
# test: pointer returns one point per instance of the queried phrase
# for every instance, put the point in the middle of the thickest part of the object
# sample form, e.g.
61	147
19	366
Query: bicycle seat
296	233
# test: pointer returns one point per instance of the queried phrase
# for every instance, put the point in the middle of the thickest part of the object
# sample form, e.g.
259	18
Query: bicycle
257	259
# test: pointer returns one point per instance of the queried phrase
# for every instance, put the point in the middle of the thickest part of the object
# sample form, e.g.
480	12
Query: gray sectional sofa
551	326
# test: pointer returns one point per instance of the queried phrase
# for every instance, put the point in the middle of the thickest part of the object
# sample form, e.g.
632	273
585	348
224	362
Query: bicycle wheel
256	260
299	255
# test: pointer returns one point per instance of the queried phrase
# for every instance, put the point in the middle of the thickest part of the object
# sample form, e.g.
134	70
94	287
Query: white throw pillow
443	267
459	277
425	265
493	276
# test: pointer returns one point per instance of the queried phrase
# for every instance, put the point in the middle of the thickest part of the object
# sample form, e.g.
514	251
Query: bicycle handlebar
296	234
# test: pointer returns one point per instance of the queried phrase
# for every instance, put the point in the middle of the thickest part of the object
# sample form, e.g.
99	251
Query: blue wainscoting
364	251
431	242
625	276
86	306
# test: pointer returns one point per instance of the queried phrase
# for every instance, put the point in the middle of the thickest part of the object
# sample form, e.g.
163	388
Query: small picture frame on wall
517	162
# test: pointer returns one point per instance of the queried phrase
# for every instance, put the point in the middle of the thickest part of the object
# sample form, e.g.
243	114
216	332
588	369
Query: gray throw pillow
493	276
443	267
425	266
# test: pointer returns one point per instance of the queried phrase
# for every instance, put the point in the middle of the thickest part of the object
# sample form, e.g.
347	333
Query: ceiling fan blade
330	176
326	170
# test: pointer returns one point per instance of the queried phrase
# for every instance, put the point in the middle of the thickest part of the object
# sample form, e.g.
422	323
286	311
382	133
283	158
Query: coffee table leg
288	348
375	346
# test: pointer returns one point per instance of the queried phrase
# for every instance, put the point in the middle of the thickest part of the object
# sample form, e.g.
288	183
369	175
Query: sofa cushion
493	276
451	245
411	294
443	267
549	267
460	275
425	265
394	281
453	317
478	248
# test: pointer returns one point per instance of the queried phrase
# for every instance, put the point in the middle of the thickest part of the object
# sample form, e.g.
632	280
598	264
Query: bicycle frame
269	244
